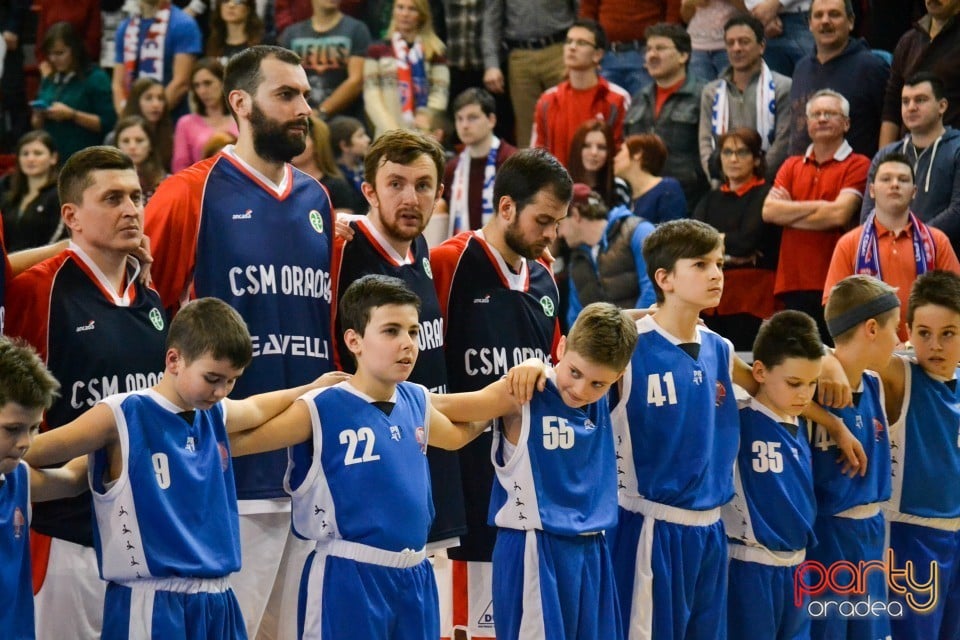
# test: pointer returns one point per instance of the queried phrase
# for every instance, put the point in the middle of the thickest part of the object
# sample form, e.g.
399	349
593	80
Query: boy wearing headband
862	315
923	405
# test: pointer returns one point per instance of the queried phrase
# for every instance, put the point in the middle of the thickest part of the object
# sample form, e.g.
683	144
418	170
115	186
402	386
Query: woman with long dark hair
591	159
148	100
234	26
74	104
135	139
31	207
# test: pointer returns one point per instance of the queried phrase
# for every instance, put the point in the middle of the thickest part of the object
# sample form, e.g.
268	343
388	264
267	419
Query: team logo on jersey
19	522
877	430
316	221
395	433
156	319
484	300
422	439
90	326
224	456
698	377
721	393
588	425
548	308
191	444
246	215
426	268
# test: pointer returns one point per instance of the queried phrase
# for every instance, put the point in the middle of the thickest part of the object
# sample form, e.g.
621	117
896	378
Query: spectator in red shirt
813	198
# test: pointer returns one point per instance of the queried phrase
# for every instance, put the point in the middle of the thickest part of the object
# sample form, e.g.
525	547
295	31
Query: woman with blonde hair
406	72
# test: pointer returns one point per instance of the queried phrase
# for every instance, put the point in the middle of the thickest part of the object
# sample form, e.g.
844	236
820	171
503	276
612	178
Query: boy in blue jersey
862	314
26	390
556	489
676	431
770	520
166	528
923	405
365	495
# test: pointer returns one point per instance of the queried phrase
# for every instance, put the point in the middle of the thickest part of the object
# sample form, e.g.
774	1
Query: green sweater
90	94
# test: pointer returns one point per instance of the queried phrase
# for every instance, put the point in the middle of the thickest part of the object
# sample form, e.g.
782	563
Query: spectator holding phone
74	103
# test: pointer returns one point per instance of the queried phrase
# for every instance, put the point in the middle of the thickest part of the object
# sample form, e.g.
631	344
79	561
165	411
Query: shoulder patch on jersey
548	307
156	319
316	221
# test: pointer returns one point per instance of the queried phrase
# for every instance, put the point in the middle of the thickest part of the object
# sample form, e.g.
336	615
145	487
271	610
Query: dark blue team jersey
172	511
16	613
925	446
268	256
368	252
867	421
561	477
96	342
370	482
773	504
677	425
495	318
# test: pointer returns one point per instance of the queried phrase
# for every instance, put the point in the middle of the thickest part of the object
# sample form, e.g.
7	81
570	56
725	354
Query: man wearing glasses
670	108
582	96
813	198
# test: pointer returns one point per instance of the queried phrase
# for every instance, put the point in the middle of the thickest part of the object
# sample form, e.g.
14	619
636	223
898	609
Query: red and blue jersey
221	229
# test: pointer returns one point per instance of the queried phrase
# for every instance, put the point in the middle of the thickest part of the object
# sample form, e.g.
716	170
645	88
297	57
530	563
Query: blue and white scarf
766	109
460	202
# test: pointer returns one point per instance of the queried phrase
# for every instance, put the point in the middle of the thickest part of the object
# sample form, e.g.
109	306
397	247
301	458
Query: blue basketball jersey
561	477
172	511
368	481
773	503
280	287
867	421
16	613
676	423
925	447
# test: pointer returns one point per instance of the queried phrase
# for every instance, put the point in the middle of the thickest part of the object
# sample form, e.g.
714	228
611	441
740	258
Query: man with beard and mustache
500	304
247	227
402	185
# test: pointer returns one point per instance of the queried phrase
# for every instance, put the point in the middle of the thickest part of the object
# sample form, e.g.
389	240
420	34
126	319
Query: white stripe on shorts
531	620
141	613
641	609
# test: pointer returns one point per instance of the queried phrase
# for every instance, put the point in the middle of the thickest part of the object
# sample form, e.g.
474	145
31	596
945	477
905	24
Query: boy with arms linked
556	488
923	405
26	390
862	314
365	496
166	526
770	520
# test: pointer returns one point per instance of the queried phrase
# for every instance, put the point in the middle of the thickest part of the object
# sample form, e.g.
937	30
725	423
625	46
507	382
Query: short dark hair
751	140
478	96
743	19
652	149
369	292
77	174
936	83
594	27
847	7
342	130
402	146
940	288
211	326
24	379
527	173
787	334
893	156
604	335
677	240
676	33
243	69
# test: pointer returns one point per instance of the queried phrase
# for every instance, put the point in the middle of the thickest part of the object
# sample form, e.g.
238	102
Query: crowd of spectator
633	97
